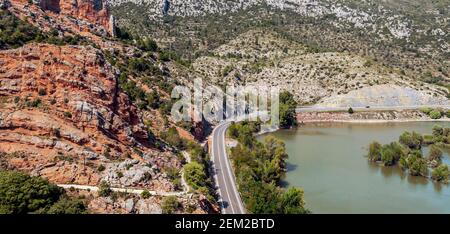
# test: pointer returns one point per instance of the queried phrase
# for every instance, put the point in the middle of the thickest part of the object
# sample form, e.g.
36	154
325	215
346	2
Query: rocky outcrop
65	101
89	15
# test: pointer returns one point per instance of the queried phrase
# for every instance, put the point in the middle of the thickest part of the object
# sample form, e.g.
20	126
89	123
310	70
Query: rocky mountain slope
410	37
68	113
328	79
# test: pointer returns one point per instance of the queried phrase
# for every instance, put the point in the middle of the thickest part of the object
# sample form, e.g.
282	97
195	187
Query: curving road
230	200
368	108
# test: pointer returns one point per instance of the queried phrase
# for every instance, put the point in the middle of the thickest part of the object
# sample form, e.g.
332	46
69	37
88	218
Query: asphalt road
374	108
230	199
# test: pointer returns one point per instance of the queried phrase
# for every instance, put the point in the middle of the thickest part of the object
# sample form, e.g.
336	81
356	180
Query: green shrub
104	189
351	111
67	114
435	114
42	92
441	173
146	194
195	175
170	205
173	138
67	206
101	168
417	166
438	130
375	152
35	103
412	140
435	154
426	110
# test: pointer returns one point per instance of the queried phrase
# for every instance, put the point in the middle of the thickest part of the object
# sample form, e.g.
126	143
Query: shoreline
368	121
375	121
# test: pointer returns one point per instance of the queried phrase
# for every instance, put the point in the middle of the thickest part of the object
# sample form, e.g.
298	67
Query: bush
42	92
195	176
173	138
417	166
35	103
169	205
435	114
387	156
441	173
438	131
147	44
68	114
146	194
104	189
101	168
68	206
412	140
426	110
435	154
375	152
351	111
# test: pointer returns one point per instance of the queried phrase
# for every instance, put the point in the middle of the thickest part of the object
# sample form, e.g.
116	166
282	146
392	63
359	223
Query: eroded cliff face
64	102
82	15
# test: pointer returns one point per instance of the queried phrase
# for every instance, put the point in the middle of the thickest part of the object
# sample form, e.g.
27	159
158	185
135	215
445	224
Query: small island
408	154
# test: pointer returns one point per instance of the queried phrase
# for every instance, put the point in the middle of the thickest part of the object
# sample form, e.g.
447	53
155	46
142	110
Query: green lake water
328	161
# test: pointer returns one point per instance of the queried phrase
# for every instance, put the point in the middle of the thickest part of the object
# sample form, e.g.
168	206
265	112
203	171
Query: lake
328	161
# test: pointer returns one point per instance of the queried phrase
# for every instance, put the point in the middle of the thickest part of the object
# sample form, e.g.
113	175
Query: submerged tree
435	154
441	173
375	152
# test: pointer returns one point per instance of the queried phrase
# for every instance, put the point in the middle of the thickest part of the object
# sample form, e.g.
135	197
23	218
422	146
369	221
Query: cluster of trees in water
259	169
408	155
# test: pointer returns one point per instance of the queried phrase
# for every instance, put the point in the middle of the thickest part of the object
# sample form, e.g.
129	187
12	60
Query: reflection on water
328	161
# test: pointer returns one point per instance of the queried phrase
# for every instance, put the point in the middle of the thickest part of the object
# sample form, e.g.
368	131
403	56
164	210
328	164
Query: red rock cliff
94	12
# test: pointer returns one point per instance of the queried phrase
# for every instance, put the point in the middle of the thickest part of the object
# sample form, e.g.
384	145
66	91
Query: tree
169	205
292	202
441	173
412	140
288	117
388	155
435	154
21	193
438	130
67	206
351	111
375	152
417	166
262	198
195	176
147	44
403	163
